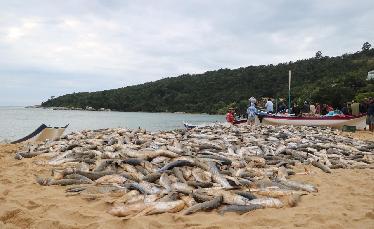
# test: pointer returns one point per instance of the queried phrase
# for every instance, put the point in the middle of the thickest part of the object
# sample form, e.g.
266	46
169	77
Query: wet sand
345	200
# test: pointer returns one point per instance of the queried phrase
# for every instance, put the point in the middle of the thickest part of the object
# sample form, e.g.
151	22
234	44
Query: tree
366	46
318	55
332	80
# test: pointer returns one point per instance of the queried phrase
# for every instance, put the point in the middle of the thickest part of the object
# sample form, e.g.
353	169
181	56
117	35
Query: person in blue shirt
252	112
269	106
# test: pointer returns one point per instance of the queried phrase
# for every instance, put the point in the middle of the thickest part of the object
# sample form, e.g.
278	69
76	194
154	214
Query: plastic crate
349	128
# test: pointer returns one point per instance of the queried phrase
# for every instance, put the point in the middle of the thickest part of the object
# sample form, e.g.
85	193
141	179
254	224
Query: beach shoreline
345	200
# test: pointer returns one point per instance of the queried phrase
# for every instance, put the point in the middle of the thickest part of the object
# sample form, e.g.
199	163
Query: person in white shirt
269	106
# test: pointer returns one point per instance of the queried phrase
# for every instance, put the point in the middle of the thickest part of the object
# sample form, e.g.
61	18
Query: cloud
57	47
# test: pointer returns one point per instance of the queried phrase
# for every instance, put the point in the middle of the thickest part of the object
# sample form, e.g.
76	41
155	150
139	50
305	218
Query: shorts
370	120
251	120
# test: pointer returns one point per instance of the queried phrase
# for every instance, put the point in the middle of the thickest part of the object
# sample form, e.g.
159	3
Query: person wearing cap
252	100
251	111
230	115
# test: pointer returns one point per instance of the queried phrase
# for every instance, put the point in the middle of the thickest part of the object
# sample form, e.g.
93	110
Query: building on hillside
370	75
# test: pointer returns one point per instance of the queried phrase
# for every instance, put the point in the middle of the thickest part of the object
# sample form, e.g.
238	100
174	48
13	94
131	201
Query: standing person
345	110
318	109
251	111
312	109
306	107
370	117
355	108
296	110
324	109
282	108
230	115
269	106
252	100
364	106
329	108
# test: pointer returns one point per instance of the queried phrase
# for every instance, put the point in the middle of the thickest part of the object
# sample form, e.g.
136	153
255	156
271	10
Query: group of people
311	109
353	108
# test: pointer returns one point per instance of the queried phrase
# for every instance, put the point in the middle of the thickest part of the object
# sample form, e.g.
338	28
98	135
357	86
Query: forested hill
332	80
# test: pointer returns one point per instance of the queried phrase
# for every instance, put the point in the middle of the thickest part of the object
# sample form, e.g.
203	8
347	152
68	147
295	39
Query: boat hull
42	133
335	122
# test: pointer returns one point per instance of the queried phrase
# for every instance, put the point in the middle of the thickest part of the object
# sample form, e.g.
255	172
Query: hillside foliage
323	79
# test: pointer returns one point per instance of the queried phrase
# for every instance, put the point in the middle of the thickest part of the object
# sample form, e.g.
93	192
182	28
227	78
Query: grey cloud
56	47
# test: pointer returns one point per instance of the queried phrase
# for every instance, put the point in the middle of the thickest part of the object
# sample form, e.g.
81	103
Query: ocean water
17	122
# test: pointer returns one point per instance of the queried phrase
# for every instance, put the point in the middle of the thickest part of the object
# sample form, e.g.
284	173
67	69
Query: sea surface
17	122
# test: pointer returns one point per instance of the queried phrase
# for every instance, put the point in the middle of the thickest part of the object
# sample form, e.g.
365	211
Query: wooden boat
331	121
42	133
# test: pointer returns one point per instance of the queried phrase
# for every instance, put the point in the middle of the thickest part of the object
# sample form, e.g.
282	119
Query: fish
159	159
144	187
131	169
62	182
127	197
21	155
200	175
149	155
93	175
201	197
151	198
136	199
204	206
245	194
217	177
111	179
298	185
267	202
188	200
175	149
76	189
239	208
78	177
324	168
276	192
181	187
171	196
152	177
282	173
127	210
221	159
228	197
165	182
187	173
197	184
293	200
248	168
163	207
178	173
177	163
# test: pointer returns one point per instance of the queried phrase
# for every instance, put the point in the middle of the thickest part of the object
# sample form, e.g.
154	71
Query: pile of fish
223	167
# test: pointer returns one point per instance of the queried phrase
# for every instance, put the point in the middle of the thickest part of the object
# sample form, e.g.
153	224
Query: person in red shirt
330	108
230	116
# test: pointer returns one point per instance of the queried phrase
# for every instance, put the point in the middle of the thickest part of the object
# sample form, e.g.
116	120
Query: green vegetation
323	79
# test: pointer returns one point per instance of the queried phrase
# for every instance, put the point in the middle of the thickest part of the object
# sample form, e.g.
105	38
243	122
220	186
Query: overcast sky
54	47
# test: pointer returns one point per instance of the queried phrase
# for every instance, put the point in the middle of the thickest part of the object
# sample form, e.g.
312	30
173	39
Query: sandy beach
345	200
